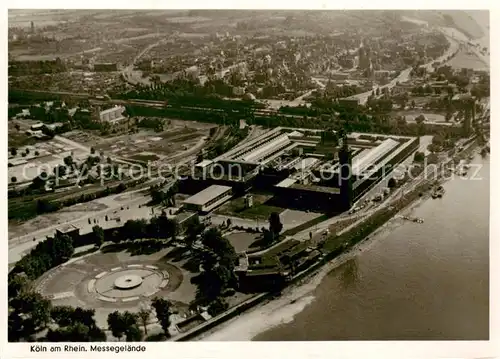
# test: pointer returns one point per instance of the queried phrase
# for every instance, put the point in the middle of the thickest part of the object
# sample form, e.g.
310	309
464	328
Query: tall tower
345	161
470	115
32	27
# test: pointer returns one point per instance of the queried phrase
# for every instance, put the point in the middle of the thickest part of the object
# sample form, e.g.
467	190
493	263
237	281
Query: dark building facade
345	161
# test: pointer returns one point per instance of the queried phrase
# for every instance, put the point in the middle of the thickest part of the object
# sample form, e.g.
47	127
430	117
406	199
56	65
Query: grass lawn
259	210
20	139
306	225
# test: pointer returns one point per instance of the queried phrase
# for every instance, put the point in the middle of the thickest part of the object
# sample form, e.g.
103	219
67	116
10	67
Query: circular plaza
117	281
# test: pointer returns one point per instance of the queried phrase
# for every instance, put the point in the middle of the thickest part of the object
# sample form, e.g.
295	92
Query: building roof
17	161
204	163
184	216
305	163
287	182
370	158
112	109
207	194
314	188
67	228
258	153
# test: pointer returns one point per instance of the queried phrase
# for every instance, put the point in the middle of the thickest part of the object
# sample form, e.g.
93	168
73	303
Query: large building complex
316	170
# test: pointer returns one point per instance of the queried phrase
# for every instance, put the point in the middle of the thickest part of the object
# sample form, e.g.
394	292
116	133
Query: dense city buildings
305	170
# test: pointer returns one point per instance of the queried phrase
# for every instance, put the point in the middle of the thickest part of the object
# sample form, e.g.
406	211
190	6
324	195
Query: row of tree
30	313
46	255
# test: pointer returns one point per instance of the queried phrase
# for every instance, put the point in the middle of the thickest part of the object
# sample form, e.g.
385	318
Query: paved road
135	77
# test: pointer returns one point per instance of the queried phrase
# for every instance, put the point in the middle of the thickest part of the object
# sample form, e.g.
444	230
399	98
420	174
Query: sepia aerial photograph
248	175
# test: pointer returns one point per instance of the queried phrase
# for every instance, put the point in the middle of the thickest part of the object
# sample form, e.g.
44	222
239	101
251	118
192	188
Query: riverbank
298	295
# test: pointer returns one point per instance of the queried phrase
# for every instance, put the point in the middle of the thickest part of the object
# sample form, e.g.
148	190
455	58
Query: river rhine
410	281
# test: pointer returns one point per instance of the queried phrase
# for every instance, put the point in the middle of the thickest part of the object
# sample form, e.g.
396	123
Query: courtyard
260	210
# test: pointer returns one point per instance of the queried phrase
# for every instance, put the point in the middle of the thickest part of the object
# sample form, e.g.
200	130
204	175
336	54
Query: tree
33	311
413	104
39	181
208	260
17	284
15	326
62	315
98	235
143	316
213	282
420	119
157	195
76	332
163	312
419	157
62	248
133	334
135	228
172	228
193	229
218	306
13	179
213	240
92	150
60	171
275	225
17	127
13	151
68	161
73	333
122	324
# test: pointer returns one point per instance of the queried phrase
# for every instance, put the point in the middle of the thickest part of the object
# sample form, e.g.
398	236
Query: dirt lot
148	145
38	156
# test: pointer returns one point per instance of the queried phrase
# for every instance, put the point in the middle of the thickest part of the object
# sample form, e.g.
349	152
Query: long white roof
207	194
366	159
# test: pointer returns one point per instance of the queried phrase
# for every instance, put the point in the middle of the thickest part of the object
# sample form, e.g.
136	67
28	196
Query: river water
410	281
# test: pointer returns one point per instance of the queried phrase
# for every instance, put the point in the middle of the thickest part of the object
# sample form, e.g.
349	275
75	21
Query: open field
148	145
410	116
124	206
19	138
41	157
